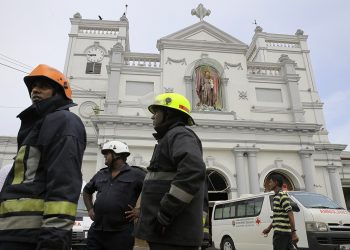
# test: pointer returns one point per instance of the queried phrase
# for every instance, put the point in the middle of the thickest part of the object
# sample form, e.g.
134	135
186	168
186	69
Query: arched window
287	182
218	187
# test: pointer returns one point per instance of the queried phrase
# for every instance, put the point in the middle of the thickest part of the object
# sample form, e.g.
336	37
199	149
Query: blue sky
36	32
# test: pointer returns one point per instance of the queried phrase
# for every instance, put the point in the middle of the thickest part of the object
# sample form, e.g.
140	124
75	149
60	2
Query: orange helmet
53	74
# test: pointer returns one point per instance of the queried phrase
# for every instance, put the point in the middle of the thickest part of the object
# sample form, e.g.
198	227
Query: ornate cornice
212	124
197	45
330	147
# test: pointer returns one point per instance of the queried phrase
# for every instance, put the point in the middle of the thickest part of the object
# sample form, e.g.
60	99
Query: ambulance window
258	205
226	211
241	209
218	212
233	210
250	208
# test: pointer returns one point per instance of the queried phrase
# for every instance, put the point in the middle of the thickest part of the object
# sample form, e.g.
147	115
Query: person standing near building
39	198
118	187
283	219
171	211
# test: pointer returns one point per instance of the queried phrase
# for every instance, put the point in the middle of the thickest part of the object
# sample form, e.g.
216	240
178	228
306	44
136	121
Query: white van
321	224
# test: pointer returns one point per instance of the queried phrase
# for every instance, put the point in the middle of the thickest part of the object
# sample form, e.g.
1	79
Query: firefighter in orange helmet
39	198
173	191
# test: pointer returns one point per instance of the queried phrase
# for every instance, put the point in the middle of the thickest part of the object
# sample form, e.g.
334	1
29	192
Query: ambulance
321	223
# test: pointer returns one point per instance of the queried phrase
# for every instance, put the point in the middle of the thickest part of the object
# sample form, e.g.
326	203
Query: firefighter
118	187
173	192
39	198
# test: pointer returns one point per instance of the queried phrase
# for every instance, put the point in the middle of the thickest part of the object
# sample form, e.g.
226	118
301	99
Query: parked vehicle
320	222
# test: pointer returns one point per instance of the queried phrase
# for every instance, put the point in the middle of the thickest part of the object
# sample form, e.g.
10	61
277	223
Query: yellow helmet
173	101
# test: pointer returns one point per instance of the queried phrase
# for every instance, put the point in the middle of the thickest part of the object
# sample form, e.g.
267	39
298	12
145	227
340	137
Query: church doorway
287	182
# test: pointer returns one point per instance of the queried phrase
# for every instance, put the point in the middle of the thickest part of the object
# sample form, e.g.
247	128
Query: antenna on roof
256	24
126	9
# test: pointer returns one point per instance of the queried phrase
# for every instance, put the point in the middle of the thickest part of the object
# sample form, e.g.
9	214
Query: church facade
256	106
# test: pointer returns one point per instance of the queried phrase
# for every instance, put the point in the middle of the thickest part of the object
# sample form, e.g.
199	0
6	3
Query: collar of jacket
124	168
44	107
165	127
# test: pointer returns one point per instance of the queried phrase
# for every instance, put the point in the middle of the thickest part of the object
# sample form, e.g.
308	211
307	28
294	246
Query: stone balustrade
142	60
282	44
99	31
271	69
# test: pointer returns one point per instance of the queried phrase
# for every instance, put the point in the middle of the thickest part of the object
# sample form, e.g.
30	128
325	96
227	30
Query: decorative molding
168	90
170	60
137	160
89	108
230	65
299	32
242	95
200	12
273	110
258	29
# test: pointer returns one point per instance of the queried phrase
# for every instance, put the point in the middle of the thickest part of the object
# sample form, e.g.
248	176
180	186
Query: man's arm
267	230
89	204
295	237
189	179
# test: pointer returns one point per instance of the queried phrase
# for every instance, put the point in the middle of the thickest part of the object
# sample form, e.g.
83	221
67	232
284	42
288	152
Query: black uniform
173	191
39	198
110	229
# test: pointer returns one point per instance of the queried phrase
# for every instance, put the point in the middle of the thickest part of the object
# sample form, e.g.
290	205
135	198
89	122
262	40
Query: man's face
272	184
158	116
41	90
108	157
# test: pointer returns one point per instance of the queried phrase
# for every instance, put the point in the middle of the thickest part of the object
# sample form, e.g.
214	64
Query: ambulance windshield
312	200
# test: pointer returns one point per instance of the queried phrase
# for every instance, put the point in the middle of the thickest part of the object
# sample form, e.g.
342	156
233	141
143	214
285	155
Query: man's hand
133	213
266	231
91	214
295	237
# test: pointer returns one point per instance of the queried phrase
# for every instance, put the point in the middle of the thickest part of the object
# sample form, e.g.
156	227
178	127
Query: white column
241	187
337	191
253	173
113	69
189	90
308	169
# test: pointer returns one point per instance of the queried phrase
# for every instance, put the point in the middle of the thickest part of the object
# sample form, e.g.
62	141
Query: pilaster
308	169
291	78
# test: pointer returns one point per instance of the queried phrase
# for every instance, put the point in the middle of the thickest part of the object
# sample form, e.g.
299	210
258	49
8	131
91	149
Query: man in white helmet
118	187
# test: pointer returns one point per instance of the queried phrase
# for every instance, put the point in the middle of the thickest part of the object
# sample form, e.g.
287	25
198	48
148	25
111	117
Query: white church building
261	112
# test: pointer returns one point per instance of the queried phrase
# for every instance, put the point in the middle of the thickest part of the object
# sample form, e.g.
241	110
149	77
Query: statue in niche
208	88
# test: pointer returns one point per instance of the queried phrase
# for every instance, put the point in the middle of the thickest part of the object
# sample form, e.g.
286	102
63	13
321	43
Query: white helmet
117	147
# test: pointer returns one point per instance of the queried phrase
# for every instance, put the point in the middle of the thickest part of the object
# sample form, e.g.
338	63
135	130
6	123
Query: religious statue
208	89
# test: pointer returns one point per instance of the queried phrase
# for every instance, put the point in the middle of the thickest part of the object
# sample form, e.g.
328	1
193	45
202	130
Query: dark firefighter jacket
173	190
114	196
39	198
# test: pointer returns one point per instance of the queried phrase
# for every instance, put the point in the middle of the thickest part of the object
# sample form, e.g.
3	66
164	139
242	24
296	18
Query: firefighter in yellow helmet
173	191
39	198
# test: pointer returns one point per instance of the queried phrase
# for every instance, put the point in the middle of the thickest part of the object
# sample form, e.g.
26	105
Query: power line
24	65
13	68
8	107
13	63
